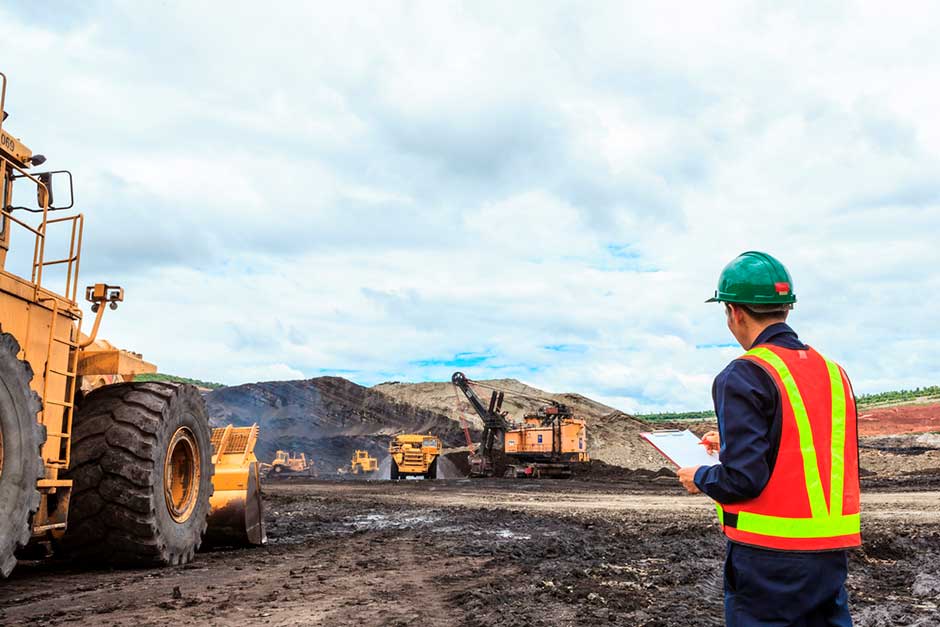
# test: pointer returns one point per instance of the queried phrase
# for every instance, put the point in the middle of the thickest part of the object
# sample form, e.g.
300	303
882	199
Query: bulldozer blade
236	515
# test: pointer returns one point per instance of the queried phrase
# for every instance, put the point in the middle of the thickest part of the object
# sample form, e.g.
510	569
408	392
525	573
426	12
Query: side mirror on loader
56	183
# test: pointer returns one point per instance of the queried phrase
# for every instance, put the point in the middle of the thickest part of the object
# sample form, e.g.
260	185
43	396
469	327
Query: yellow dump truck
363	463
414	455
122	474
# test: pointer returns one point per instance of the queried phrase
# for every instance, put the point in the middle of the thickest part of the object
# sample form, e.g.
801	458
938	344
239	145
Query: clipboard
682	448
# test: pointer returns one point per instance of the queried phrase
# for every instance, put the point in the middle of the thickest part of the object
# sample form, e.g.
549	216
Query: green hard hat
754	278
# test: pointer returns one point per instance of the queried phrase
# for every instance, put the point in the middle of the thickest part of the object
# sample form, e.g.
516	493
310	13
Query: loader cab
6	190
30	193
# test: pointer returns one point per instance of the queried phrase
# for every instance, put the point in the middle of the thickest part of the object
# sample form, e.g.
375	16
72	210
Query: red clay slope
915	418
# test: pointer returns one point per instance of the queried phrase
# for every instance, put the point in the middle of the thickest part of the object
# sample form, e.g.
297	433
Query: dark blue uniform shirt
749	420
763	586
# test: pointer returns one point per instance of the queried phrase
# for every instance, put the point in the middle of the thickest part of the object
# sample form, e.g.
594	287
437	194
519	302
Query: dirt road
491	552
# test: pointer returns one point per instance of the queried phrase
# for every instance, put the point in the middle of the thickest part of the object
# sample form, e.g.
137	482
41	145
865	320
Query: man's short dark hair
765	313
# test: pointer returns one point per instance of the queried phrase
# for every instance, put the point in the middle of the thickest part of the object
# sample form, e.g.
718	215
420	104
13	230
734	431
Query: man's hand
687	477
711	441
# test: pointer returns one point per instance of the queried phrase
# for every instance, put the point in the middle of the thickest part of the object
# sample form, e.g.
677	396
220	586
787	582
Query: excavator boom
487	460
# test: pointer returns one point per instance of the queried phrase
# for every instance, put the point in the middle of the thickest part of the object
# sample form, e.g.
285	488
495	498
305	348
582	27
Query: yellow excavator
122	473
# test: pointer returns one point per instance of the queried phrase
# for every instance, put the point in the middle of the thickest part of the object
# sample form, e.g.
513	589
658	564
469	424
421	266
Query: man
786	489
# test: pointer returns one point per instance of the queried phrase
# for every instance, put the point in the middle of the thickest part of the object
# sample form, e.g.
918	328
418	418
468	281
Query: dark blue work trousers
785	588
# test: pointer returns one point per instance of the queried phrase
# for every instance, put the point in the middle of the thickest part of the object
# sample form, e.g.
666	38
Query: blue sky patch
567	348
623	258
622	251
460	360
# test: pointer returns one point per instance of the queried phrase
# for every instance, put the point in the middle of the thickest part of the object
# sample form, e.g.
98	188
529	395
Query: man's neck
756	331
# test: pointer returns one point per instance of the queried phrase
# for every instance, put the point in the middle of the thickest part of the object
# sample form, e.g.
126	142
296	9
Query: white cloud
267	372
375	190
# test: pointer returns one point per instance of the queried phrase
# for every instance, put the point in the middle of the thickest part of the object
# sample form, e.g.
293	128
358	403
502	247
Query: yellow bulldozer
286	464
363	463
124	473
414	455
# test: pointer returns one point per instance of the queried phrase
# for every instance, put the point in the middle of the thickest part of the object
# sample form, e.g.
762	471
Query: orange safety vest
811	501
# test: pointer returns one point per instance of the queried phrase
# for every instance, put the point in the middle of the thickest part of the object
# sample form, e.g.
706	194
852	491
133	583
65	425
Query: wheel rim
181	472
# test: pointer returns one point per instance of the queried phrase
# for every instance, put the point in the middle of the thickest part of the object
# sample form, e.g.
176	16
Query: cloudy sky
537	190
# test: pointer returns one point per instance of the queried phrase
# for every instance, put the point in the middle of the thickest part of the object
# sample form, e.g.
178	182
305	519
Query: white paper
682	448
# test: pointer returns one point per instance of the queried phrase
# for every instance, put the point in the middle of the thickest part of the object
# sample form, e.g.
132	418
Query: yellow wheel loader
363	463
124	474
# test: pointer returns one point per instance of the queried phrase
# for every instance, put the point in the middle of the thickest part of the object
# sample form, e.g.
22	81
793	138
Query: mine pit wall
326	418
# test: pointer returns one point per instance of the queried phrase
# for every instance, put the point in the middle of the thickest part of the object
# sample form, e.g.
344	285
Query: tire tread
34	468
119	527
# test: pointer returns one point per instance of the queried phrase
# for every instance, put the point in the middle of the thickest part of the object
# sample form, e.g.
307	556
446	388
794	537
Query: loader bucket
237	516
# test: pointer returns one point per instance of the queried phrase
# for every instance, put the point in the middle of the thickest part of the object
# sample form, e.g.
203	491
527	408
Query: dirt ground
481	552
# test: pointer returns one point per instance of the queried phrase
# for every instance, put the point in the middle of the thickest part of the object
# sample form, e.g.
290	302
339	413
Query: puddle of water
376	521
506	534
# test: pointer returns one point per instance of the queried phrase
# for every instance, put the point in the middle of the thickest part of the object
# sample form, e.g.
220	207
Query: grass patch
899	396
670	416
159	376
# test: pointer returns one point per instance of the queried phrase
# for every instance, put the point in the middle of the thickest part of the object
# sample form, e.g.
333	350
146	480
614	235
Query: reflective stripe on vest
825	521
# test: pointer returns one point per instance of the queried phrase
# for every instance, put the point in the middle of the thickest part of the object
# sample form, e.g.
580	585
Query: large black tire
432	470
393	473
120	513
21	440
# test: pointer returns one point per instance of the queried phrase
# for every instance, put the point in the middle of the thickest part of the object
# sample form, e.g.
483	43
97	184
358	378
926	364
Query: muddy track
463	553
